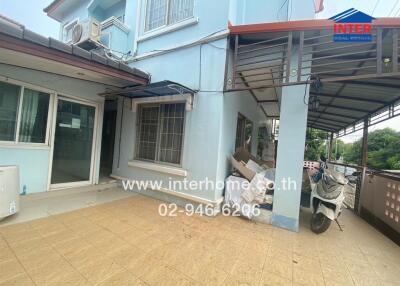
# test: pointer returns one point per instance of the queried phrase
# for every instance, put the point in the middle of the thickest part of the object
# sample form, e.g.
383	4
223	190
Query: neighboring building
184	45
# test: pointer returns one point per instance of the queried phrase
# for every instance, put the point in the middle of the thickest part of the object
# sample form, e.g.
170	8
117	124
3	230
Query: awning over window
161	88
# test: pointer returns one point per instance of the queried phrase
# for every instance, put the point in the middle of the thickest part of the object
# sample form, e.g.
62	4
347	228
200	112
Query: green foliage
383	150
316	141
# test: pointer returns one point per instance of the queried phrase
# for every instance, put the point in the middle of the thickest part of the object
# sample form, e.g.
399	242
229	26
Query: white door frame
95	143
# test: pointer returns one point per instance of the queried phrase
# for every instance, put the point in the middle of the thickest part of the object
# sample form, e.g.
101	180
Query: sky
33	17
30	14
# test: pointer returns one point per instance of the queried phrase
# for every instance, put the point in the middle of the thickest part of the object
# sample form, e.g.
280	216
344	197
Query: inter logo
352	26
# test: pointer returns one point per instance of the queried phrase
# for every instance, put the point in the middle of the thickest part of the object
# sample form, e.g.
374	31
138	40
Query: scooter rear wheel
319	223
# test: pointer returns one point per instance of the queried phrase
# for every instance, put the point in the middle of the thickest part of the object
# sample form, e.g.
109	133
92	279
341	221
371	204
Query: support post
364	161
364	155
379	51
235	58
330	147
290	154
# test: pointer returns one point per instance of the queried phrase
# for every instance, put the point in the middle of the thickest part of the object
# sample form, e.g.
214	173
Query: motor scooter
326	197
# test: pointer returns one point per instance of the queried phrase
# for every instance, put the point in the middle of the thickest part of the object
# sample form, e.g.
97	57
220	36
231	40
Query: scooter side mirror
323	159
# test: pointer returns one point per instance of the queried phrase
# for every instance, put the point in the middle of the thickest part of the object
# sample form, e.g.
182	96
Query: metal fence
380	202
376	198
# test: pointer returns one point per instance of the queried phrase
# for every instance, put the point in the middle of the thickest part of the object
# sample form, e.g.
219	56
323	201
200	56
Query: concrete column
290	156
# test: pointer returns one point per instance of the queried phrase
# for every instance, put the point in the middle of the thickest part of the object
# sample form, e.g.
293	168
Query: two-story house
146	101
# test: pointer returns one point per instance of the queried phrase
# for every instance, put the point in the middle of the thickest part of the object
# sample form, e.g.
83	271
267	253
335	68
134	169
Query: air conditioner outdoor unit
87	30
9	191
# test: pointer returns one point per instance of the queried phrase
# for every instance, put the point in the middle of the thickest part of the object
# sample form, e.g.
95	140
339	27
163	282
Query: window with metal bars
160	13
160	132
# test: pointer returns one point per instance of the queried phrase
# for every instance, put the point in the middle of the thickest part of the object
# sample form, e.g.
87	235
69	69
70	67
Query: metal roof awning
161	88
360	80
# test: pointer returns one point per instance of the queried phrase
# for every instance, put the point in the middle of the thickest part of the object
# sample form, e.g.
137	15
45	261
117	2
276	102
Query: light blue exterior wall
210	128
118	40
33	166
78	12
116	10
34	162
203	125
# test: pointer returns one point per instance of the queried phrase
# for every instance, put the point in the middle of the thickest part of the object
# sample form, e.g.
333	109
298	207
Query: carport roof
360	81
22	47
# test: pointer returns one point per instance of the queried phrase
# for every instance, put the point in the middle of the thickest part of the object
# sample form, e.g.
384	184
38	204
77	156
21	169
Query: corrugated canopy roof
359	79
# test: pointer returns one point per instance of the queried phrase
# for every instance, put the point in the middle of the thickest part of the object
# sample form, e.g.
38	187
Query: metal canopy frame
359	79
161	88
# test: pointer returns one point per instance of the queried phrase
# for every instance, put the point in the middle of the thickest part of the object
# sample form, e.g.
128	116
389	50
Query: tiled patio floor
126	242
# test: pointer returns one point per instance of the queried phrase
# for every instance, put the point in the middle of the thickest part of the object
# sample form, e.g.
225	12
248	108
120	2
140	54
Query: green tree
383	150
316	141
338	149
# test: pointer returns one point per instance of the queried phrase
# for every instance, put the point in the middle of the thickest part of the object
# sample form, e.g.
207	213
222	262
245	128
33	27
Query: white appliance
86	30
9	190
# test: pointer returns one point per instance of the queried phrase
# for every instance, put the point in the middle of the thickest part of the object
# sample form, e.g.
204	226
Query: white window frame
70	24
167	27
15	143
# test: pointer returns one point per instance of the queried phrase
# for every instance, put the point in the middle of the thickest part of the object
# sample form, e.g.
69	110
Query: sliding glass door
73	143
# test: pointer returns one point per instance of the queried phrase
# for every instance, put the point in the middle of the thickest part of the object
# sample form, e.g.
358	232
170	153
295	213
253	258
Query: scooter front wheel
319	223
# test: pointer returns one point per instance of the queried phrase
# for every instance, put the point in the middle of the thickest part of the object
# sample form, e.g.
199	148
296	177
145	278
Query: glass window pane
180	10
156	14
172	118
33	124
73	142
9	96
147	133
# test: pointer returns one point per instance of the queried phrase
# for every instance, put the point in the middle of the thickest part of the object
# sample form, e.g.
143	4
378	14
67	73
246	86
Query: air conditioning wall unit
9	191
85	31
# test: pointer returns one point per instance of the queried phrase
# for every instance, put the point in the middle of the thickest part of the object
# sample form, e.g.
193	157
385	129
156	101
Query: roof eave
300	26
51	9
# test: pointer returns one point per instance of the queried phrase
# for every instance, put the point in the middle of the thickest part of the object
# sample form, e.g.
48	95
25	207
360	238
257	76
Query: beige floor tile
309	278
100	270
52	274
279	268
41	259
126	242
270	279
231	280
71	247
247	271
10	269
20	280
57	237
122	279
23	235
306	263
24	247
84	257
6	254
